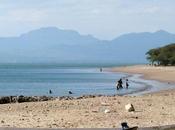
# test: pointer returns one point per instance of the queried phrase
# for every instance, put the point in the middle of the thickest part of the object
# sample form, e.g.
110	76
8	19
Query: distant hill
55	45
133	46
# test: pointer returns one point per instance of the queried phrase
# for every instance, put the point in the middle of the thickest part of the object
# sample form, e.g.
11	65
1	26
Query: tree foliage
163	55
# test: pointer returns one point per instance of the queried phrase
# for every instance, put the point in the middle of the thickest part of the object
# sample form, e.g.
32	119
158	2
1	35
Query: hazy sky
105	19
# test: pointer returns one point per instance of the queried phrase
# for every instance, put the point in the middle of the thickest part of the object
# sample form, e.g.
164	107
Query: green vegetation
162	56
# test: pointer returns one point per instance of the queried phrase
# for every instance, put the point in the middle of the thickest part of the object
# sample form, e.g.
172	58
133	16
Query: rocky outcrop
4	100
21	98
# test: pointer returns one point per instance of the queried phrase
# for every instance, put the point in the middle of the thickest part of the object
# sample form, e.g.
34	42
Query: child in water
127	84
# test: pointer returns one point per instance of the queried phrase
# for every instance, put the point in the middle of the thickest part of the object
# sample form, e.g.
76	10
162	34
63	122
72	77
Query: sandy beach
164	74
150	110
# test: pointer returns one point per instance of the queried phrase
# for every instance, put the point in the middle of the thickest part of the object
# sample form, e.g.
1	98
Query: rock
129	107
107	111
105	104
95	111
4	100
66	98
14	99
43	98
86	96
21	98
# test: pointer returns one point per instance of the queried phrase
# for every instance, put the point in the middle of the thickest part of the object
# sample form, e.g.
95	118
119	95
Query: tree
163	55
152	55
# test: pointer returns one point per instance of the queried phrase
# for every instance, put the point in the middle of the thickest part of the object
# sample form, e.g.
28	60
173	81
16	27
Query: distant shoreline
162	74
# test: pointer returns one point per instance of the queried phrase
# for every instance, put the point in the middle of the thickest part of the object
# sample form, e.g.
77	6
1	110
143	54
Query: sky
104	19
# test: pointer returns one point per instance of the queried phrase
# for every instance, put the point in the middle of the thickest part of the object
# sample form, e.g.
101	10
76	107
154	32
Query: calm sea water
32	80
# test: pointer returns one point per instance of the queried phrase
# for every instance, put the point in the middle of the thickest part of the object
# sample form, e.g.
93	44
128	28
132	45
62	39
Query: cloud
103	18
25	15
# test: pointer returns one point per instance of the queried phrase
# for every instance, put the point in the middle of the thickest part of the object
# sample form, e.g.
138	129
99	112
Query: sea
39	79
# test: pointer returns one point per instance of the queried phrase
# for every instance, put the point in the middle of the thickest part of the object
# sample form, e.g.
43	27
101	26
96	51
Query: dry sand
151	110
165	74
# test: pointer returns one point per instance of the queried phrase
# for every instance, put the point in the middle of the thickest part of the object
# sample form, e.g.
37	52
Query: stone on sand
129	107
107	111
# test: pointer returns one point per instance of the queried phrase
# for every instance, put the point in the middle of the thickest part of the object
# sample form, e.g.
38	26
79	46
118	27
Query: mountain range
55	45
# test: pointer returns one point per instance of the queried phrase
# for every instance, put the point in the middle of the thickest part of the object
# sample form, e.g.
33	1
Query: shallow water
151	85
38	80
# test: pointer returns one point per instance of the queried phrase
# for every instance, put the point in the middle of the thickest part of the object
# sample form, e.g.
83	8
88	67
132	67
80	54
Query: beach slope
165	74
99	112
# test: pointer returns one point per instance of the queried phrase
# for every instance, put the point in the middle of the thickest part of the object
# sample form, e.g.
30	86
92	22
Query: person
50	91
70	92
101	69
127	85
119	85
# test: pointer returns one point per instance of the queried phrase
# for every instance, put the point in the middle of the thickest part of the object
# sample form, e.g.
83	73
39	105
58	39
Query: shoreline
158	73
9	99
129	71
163	75
90	111
130	74
150	110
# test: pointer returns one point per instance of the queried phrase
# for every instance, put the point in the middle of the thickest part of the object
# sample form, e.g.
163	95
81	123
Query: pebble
107	111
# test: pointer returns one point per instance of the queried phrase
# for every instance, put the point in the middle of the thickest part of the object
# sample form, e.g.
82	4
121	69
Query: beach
154	109
164	74
150	110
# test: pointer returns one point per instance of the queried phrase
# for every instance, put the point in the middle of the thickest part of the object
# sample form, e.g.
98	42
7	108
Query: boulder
4	100
20	98
14	99
66	98
129	107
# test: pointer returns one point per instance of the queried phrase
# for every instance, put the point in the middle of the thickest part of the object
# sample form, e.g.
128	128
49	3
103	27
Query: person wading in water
119	85
127	85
